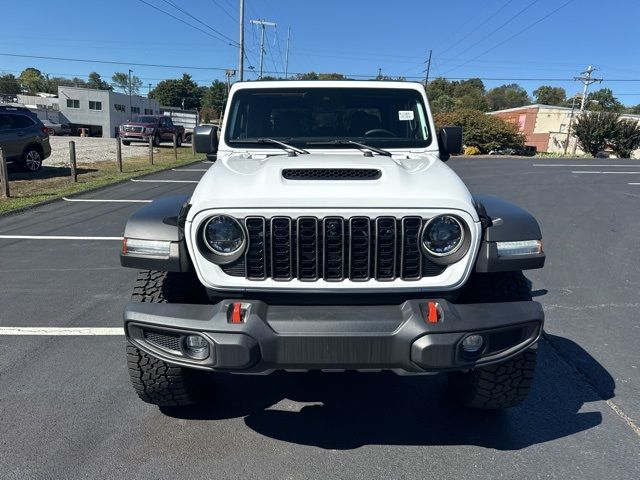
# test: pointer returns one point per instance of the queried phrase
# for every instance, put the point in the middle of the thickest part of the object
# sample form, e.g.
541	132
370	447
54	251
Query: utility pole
130	113
263	24
426	78
241	59
286	57
586	79
573	107
229	73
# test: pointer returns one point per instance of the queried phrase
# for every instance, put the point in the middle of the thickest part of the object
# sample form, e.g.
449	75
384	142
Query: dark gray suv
23	139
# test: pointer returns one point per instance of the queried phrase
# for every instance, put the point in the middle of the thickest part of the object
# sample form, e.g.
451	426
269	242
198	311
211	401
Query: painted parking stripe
57	237
190	169
582	165
100	200
62	331
605	173
634	183
164	181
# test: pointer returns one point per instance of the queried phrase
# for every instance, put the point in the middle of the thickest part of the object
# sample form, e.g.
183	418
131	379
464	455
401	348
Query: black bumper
335	337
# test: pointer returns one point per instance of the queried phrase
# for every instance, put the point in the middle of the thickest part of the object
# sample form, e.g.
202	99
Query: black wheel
32	159
51	132
501	385
154	380
179	141
156	140
126	142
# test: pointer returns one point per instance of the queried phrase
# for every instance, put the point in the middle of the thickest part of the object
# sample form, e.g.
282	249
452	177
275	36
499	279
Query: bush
471	151
595	130
626	137
486	132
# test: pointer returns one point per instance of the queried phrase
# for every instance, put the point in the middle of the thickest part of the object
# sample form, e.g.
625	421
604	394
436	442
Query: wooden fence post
151	150
4	176
72	160
175	147
119	154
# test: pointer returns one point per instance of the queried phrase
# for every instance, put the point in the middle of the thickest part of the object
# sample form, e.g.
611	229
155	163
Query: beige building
547	127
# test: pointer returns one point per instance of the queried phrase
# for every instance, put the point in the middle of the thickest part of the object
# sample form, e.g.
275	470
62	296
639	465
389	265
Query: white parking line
583	165
62	331
633	184
100	200
605	173
190	169
56	237
164	181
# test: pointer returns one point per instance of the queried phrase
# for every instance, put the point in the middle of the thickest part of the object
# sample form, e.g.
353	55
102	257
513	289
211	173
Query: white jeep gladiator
329	234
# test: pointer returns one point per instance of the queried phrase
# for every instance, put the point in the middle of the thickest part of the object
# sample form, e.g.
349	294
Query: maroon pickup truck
158	127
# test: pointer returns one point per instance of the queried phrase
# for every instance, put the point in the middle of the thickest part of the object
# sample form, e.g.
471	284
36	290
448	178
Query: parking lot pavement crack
592	385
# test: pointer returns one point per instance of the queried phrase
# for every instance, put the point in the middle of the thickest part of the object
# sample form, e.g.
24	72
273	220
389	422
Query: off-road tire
126	143
154	380
501	385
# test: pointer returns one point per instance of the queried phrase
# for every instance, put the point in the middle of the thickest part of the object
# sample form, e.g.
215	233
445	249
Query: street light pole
130	109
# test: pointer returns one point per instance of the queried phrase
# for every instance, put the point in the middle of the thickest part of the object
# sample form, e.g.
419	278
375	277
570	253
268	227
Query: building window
148	111
71	103
135	109
95	105
119	108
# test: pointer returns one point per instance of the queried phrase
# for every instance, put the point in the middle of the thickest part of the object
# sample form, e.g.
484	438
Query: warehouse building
546	127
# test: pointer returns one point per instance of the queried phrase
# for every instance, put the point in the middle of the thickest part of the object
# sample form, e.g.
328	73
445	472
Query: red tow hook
433	312
237	313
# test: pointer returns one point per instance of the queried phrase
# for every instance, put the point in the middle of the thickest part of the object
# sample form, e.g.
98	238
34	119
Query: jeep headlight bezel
236	239
457	251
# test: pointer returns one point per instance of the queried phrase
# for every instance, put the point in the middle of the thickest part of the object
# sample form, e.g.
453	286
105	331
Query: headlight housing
445	239
148	130
224	236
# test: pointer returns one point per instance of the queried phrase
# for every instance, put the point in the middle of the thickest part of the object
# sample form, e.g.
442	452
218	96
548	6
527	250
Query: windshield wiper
363	147
285	146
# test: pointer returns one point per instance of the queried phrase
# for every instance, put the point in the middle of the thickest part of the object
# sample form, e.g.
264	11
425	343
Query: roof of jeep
326	84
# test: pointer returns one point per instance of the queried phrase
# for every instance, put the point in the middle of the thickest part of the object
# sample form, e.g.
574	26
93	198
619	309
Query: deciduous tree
9	84
547	95
595	130
507	96
626	137
120	81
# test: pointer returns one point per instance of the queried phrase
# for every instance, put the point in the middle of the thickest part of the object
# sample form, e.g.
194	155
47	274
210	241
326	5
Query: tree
32	81
595	130
507	96
487	132
443	104
95	81
120	80
215	98
634	110
445	96
603	101
174	92
9	84
319	76
626	137
52	83
547	95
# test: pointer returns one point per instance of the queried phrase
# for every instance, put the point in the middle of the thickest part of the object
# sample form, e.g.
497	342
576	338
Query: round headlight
443	235
223	235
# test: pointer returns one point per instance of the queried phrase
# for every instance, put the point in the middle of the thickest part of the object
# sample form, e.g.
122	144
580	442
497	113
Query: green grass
50	183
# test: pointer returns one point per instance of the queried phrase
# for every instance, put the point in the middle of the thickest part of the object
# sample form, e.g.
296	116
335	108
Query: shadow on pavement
349	410
46	172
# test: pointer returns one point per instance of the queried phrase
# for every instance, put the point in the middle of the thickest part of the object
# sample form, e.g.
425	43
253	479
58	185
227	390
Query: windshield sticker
405	115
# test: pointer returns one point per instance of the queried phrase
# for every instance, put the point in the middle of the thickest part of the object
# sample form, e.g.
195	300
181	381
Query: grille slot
164	340
331	173
333	249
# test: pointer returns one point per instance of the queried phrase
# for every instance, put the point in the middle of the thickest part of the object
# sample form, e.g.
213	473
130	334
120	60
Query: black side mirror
206	139
449	142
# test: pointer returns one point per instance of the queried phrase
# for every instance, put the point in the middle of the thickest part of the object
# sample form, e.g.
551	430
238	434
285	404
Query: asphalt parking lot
67	409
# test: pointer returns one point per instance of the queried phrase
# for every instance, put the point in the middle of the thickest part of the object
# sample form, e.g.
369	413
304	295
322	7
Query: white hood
243	180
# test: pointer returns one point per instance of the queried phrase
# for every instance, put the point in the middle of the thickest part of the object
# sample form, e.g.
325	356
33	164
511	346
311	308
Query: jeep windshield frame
329	117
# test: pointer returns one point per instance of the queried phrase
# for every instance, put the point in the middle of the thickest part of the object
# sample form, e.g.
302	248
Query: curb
95	189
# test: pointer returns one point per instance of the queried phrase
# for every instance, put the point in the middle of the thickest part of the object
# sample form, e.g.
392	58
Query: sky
530	42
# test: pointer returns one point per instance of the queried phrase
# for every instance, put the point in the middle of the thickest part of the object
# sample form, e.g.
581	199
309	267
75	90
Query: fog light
472	343
196	347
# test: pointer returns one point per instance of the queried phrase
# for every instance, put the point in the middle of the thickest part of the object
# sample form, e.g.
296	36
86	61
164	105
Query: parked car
23	139
527	151
57	128
17	108
158	127
330	234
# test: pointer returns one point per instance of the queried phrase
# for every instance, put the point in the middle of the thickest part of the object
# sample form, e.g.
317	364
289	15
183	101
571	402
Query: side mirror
205	138
449	142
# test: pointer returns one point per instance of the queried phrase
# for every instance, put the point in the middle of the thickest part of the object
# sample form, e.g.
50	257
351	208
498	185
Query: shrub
471	151
626	137
595	130
486	132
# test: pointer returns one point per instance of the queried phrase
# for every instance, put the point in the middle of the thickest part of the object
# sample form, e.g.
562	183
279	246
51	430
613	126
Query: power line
225	11
170	3
185	22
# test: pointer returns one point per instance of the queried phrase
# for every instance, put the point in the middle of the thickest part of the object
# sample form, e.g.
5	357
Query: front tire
32	160
126	142
505	384
156	140
154	380
179	141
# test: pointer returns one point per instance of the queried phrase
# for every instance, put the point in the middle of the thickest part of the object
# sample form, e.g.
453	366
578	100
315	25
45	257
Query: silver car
24	140
57	128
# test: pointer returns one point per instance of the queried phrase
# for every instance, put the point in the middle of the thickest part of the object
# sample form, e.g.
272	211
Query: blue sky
492	39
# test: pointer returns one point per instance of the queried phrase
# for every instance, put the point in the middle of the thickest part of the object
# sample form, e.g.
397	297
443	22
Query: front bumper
396	337
135	137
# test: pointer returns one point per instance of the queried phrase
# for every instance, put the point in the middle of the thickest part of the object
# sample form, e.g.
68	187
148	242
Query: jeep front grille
333	249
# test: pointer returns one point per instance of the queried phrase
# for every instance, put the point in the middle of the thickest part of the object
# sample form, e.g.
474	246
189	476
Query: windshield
145	119
382	117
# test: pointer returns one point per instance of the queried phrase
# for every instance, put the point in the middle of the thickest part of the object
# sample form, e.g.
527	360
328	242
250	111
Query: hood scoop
331	173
